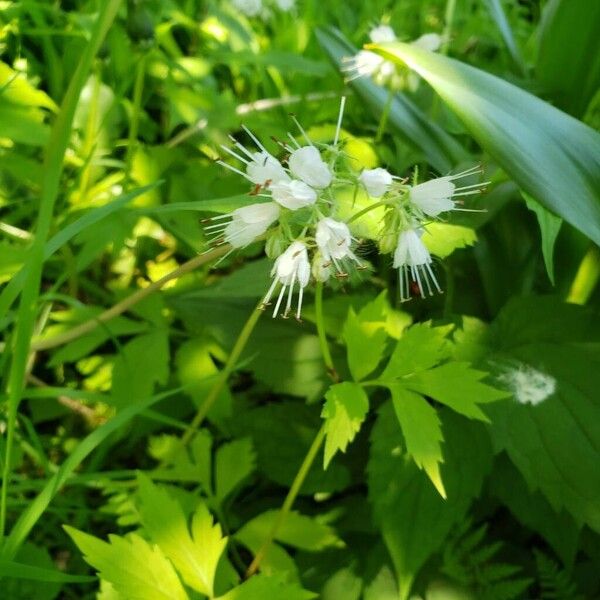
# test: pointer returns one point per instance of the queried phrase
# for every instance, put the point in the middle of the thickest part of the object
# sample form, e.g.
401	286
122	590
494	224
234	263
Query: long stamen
267	297
255	139
300	296
224	164
242	148
301	129
281	293
433	278
234	154
339	121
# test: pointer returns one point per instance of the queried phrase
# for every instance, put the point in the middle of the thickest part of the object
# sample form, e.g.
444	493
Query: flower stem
222	377
289	500
128	302
327	359
309	459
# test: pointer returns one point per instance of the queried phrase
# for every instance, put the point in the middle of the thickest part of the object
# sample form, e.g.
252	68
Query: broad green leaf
23	124
345	409
365	344
551	155
261	587
195	554
457	385
420	347
549	227
15	88
16	570
568	58
533	510
422	432
142	363
135	569
442	239
405	117
560	416
297	530
383	587
413	518
234	462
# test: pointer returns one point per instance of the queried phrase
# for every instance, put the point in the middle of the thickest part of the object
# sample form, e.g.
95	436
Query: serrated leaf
442	239
420	347
365	344
457	385
135	569
413	518
195	555
261	587
345	409
234	462
422	432
530	139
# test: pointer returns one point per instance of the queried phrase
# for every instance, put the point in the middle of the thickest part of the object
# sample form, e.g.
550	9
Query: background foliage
445	448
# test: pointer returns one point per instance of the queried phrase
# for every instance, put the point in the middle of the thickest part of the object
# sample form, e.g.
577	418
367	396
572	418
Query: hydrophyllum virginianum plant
298	215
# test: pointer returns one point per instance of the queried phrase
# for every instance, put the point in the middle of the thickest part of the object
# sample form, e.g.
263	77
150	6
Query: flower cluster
260	8
298	208
368	64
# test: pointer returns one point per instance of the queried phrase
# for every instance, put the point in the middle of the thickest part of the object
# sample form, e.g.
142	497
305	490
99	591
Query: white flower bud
250	8
376	181
306	164
293	194
428	41
382	33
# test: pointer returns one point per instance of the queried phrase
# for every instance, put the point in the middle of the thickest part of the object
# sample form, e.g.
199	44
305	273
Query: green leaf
552	156
143	362
442	239
261	587
413	518
420	347
422	432
405	117
499	16
195	555
568	66
549	227
234	462
342	584
457	385
134	568
345	409
365	338
15	570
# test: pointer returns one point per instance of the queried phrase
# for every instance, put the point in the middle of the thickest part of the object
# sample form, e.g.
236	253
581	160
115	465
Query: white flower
291	268
437	195
285	5
264	168
246	224
376	181
293	194
414	261
382	33
306	164
321	268
334	240
250	8
428	41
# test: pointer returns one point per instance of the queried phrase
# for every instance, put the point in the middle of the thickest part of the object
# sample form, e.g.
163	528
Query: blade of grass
36	508
53	165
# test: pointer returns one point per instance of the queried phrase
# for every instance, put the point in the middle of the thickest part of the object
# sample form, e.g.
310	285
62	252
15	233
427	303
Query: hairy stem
328	360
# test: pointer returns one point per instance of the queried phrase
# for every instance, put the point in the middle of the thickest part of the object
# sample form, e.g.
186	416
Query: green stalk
289	500
53	165
309	459
223	376
138	89
384	116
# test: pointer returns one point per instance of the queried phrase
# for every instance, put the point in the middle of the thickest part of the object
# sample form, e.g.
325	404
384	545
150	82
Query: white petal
293	194
306	164
376	181
262	212
265	168
429	41
382	33
434	196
